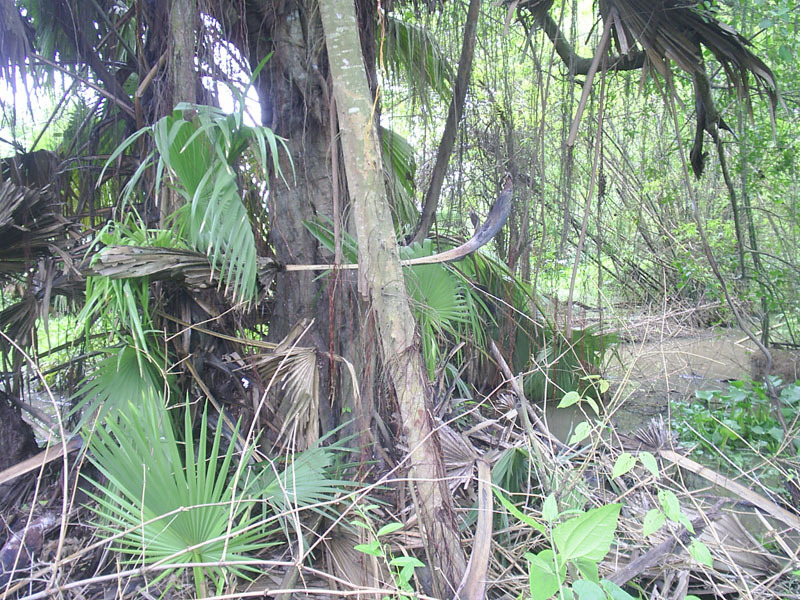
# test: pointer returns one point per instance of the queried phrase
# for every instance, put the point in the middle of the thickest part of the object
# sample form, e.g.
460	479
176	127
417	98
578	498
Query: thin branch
451	126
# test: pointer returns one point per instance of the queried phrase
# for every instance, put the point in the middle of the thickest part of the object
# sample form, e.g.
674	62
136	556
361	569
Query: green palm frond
322	230
125	376
118	285
177	503
437	300
399	171
124	303
200	146
308	479
412	50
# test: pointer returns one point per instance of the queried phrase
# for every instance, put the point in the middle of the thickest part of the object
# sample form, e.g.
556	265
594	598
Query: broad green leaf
588	535
653	521
649	462
624	463
406	561
672	508
701	553
581	432
591	402
616	592
542	578
569	399
588	590
373	548
588	568
669	502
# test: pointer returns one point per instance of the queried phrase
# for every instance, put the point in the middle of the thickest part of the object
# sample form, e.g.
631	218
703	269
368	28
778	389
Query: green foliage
562	364
399	171
174	500
125	376
739	421
412	50
200	147
439	303
168	503
124	304
582	542
401	567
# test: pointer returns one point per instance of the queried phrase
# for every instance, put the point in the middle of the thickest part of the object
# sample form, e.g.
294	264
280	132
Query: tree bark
182	17
294	99
381	280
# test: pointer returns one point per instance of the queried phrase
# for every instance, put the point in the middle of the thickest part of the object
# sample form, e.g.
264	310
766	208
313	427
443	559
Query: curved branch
495	220
581	65
451	126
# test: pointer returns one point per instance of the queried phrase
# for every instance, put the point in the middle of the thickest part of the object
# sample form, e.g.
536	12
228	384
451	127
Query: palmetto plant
199	148
166	502
173	500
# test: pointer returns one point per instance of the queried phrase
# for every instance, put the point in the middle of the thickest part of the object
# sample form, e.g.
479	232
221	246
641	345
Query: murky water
646	376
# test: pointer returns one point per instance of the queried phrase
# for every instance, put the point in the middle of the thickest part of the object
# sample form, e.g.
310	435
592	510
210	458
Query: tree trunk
381	281
294	98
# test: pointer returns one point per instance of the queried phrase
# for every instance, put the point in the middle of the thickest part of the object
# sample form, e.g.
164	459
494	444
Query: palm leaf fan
29	227
294	370
676	30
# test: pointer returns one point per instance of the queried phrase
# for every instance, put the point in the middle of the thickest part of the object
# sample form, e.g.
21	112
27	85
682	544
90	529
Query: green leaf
588	568
373	548
406	561
700	552
569	399
649	462
616	592
670	504
543	581
588	590
550	509
624	463
171	502
591	402
389	528
517	513
653	521
582	431
588	535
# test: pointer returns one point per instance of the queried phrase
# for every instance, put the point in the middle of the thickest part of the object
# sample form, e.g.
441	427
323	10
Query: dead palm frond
119	262
29	227
15	40
677	30
294	369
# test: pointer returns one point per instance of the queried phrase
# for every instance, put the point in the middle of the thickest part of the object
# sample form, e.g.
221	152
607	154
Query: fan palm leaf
179	502
29	227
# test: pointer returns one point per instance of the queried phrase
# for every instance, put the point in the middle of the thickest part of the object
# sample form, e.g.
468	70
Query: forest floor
661	362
